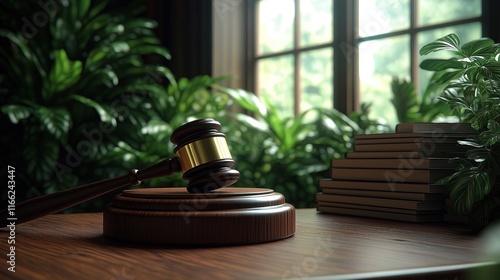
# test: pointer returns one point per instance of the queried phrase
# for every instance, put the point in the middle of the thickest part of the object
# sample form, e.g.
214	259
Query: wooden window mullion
296	72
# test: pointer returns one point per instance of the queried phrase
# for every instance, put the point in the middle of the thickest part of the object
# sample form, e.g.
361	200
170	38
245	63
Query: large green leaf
443	77
89	32
477	47
56	121
405	100
277	125
441	64
140	23
247	100
16	113
104	115
155	126
493	68
152	49
41	152
339	122
97	8
94	58
252	122
481	212
82	8
97	80
19	41
63	75
470	187
450	42
491	136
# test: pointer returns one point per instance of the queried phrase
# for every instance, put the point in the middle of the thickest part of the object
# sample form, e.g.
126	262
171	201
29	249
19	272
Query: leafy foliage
411	107
472	89
286	154
367	125
283	153
81	102
75	86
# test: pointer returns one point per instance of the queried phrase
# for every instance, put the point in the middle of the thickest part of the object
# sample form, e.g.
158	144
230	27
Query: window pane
275	25
316	79
382	16
275	81
466	32
315	22
434	11
379	62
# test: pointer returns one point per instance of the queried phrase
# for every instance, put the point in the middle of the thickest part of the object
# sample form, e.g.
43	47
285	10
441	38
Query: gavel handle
51	203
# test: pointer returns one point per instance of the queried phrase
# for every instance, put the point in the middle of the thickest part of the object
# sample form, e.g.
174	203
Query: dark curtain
185	28
490	12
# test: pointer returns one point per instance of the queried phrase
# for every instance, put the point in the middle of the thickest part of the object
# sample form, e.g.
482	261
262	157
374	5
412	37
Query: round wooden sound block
172	216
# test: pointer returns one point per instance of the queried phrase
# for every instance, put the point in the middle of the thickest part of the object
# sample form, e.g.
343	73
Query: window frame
346	97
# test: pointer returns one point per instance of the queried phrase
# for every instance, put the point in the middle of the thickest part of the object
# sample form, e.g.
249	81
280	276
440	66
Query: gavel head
204	156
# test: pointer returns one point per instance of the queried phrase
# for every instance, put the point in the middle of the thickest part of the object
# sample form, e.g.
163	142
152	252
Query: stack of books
394	175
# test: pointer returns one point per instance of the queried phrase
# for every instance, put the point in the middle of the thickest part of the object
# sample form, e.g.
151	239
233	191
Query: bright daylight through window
295	41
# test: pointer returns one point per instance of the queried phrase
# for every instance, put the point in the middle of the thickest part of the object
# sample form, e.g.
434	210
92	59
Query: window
294	53
342	53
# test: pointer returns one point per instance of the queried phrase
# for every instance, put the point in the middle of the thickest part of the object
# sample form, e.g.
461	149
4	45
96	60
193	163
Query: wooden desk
72	247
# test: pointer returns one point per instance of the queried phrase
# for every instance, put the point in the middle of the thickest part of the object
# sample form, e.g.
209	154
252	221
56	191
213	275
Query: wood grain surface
72	246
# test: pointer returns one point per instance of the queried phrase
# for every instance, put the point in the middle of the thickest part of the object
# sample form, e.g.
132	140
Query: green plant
287	154
412	107
183	100
82	103
472	79
367	125
75	87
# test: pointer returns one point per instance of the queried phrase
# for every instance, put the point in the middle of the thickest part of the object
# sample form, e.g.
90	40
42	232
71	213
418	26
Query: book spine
391	175
381	186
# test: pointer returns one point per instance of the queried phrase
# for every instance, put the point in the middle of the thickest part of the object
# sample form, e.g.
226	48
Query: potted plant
472	89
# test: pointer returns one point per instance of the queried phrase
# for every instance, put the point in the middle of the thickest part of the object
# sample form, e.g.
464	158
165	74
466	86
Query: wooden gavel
202	156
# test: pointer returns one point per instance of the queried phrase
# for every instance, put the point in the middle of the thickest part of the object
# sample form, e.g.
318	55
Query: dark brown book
405	140
436	128
384	209
382	202
390	175
380	186
390	195
381	215
408	138
403	163
425	147
406	154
